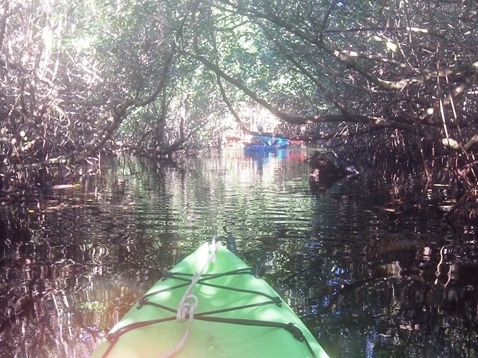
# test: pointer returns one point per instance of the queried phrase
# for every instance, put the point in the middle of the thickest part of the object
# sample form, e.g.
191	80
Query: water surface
368	282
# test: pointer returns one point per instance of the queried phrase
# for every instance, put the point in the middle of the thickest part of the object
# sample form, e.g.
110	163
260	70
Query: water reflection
368	282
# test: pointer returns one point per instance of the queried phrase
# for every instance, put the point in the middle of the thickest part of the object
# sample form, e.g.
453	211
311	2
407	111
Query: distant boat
265	143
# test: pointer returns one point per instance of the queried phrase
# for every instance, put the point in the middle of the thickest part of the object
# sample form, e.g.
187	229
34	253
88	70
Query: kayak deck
231	314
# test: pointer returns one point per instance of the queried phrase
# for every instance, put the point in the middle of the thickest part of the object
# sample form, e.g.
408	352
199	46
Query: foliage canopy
161	75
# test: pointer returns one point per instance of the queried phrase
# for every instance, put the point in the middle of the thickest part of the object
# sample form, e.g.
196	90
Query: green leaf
392	46
450	143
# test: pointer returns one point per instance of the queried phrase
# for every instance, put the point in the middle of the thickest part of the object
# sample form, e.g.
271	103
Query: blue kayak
266	144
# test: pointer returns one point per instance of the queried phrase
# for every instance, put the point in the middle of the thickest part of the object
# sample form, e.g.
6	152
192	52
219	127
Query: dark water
367	282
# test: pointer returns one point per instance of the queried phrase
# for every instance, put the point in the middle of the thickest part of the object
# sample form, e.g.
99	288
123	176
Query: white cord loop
189	302
186	311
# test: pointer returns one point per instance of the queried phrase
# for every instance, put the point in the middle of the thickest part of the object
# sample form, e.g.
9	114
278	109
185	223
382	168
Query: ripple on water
352	271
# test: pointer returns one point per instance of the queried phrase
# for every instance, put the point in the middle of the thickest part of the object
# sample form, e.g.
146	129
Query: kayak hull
263	148
237	315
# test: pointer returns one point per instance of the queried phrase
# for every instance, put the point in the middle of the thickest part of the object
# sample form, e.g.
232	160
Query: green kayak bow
210	305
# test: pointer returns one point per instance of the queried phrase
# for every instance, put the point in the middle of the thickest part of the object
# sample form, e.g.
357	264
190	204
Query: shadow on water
367	281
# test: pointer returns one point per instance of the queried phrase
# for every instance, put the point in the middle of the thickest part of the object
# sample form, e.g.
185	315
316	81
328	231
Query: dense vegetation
393	84
80	77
